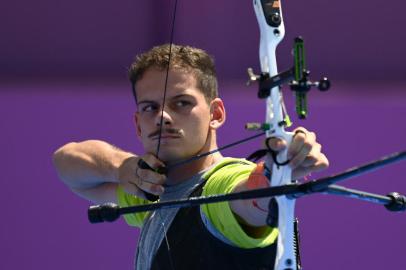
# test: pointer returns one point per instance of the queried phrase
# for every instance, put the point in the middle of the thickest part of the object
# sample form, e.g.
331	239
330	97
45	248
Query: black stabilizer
273	212
398	202
105	212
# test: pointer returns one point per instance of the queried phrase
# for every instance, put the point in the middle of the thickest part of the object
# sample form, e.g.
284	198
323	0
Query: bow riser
271	34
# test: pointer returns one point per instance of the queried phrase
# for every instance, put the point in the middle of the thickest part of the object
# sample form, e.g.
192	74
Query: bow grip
281	172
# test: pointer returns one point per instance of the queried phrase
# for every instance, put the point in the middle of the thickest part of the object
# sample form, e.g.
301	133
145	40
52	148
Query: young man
217	236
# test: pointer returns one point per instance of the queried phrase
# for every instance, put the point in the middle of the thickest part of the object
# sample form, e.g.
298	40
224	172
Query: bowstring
161	125
166	78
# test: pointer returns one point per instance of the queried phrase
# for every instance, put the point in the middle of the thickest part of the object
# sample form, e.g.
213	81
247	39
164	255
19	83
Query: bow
270	20
272	31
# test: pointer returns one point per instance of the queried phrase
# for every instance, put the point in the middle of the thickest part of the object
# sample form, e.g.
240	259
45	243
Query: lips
165	136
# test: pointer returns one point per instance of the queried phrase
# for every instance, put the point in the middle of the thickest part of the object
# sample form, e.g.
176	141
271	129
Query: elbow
59	158
64	160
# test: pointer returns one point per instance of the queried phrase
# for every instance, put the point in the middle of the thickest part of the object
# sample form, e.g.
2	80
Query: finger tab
151	197
143	165
160	169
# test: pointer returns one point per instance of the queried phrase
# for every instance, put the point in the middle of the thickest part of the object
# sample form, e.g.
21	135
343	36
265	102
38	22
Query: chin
170	157
174	151
173	156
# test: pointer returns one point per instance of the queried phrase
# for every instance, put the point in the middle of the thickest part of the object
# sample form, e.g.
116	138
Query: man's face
186	115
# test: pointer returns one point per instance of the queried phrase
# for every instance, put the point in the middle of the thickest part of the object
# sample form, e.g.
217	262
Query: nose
164	118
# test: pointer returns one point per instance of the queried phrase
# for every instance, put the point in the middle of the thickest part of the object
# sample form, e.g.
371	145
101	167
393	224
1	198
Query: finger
320	165
276	144
131	188
296	145
146	175
155	189
300	137
323	163
298	158
303	130
313	157
302	144
309	161
151	162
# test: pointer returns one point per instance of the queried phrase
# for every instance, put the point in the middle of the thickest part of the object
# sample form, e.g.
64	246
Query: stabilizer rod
393	201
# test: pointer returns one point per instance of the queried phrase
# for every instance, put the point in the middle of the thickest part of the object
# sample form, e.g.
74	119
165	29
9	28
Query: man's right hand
138	181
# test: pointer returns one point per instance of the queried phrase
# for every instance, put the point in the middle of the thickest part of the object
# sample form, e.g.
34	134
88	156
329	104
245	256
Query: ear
137	124
217	113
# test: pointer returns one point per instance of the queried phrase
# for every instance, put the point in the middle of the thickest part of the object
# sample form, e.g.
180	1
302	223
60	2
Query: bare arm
93	169
90	169
306	157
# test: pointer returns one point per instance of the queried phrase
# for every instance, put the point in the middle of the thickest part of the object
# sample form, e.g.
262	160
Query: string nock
258	126
104	212
398	202
251	76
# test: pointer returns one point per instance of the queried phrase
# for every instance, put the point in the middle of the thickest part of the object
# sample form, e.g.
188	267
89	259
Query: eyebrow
174	97
182	95
146	102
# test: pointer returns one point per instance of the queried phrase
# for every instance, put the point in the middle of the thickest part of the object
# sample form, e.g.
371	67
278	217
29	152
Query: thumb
276	144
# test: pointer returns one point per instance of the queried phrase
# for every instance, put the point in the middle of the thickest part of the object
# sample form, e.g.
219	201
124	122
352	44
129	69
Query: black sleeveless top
193	247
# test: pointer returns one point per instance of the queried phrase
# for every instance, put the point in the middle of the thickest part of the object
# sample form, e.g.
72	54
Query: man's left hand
304	153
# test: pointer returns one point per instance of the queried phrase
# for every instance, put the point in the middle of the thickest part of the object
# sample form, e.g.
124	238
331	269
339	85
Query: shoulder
223	177
219	217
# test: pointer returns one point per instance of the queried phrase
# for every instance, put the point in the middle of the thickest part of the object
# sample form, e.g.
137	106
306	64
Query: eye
182	103
149	108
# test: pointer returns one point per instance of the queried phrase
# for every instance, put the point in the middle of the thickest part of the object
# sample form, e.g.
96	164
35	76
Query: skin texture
189	122
93	169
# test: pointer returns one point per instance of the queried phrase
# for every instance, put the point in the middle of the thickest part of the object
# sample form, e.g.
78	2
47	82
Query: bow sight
297	77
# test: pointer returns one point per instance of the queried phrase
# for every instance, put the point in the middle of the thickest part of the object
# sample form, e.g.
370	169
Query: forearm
88	164
250	212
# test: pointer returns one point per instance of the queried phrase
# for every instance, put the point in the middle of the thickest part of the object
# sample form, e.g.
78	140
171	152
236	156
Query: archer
226	235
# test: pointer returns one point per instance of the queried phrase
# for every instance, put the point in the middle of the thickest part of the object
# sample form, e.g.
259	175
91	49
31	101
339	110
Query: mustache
171	131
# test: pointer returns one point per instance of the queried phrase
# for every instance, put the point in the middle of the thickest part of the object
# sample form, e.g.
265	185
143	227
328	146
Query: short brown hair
187	58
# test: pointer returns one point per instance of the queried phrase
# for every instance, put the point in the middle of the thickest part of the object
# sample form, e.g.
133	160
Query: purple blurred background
63	78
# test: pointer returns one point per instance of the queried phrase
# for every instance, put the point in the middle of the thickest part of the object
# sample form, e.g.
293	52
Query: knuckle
312	159
301	129
323	164
147	158
153	162
307	146
300	137
313	135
